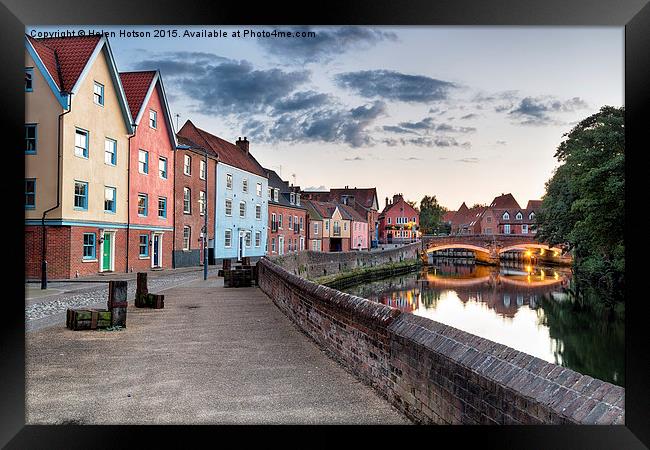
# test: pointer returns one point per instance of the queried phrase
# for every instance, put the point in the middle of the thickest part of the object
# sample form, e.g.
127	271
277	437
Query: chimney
242	144
386	201
396	197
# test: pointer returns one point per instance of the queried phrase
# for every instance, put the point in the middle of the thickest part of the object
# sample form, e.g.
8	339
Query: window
273	223
153	118
162	168
289	245
202	203
227	238
270	193
524	229
273	245
415	219
29	75
143	161
144	245
98	94
315	227
248	239
292	198
143	204
187	165
506	216
202	170
337	228
314	245
531	216
258	189
301	223
290	222
488	219
258	239
228	181
30	193
258	212
244	185
187	201
298	198
302	243
109	199
162	207
89	246
276	194
519	216
506	228
279	220
345	225
187	232
80	195
110	152
242	209
327	225
81	143
295	222
228	207
389	221
30	138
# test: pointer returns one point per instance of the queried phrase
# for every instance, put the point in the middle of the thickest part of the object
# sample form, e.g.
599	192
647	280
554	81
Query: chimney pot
243	144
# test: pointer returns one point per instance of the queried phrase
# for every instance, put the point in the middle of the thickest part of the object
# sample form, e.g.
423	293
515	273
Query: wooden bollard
141	290
117	303
246	261
227	264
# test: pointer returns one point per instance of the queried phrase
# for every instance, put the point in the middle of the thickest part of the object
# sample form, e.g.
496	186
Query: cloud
538	110
316	188
326	44
423	141
502	142
223	86
301	101
426	126
356	158
391	85
470	116
468	160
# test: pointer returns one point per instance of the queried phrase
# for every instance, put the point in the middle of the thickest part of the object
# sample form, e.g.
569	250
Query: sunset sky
462	113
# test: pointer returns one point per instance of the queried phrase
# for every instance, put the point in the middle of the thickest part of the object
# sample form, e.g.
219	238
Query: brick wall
310	264
435	373
58	252
136	263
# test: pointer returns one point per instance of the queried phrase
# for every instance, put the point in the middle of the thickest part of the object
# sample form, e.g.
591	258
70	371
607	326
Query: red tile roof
534	205
65	58
227	152
362	196
136	85
505	201
352	213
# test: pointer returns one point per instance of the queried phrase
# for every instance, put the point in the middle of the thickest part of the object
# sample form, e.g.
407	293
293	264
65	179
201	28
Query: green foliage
431	215
584	201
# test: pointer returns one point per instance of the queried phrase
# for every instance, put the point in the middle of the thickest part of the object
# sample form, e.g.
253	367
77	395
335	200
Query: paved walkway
211	356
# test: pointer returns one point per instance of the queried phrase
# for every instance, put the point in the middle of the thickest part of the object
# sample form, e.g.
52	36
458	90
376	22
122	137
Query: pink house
150	232
359	228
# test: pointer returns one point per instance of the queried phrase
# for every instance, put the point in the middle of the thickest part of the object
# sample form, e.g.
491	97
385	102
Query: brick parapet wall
435	373
310	264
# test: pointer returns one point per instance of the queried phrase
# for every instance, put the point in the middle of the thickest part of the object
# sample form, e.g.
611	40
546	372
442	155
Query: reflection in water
525	307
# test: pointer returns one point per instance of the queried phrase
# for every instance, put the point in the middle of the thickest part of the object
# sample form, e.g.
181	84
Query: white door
240	247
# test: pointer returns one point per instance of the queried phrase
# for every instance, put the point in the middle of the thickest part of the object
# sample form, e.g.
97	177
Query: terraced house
151	172
77	125
240	202
329	226
287	217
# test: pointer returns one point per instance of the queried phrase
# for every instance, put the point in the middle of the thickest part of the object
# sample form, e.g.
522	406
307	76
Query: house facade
359	236
76	115
240	203
287	217
336	226
150	232
399	222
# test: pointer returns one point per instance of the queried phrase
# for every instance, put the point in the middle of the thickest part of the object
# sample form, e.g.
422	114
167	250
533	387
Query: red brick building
399	222
287	222
502	216
195	190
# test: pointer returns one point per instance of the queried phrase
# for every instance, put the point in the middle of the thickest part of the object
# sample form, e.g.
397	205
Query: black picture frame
634	15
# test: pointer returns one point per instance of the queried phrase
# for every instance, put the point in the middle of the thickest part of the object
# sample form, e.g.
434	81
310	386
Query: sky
462	113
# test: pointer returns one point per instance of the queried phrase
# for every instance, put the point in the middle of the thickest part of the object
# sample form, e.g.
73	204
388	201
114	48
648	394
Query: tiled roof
324	209
534	205
352	213
227	152
65	58
136	85
505	201
275	181
362	196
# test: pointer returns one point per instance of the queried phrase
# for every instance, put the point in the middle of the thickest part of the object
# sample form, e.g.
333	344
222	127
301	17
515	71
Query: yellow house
77	128
335	228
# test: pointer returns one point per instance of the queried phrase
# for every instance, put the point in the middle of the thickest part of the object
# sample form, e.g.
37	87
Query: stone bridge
490	246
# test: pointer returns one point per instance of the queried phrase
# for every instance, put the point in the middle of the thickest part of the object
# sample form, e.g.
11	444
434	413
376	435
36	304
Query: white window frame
519	216
229	181
258	211
506	216
244	184
258	239
226	203
227	238
155	119
258	189
189	237
203	168
187	165
240	209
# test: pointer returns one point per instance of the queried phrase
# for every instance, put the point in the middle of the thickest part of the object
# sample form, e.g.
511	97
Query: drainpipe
58	199
128	196
205	220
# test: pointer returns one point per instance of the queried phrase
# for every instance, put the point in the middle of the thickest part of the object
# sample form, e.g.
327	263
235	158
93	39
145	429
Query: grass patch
358	275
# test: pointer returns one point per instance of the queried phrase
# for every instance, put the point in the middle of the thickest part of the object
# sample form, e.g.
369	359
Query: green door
106	252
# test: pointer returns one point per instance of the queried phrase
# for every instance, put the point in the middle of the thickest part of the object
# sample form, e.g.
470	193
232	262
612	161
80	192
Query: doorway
108	247
156	257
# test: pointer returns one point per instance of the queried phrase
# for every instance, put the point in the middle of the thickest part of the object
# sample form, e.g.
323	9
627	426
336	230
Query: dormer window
276	194
531	216
298	199
506	216
519	216
292	198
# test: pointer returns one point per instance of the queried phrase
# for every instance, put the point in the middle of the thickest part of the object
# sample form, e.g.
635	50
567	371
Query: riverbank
355	276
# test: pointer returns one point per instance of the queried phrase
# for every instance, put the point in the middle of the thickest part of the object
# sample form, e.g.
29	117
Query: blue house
241	200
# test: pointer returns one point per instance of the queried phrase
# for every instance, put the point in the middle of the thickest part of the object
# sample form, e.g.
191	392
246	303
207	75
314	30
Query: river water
526	307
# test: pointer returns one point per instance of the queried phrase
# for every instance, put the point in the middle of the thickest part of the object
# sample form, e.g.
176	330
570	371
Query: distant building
502	216
287	217
399	222
330	226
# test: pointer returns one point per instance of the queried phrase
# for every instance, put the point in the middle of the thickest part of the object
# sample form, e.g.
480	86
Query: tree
414	204
478	205
584	200
431	215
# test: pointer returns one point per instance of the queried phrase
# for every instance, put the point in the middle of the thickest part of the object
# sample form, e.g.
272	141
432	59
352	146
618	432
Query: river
526	307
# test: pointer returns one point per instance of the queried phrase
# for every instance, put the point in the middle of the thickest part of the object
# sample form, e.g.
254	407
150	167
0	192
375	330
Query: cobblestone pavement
41	312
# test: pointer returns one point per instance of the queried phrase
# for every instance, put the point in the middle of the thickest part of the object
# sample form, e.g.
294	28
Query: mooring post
141	290
117	303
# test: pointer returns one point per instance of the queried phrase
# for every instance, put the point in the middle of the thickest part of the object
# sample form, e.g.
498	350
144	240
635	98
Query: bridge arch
476	248
526	246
